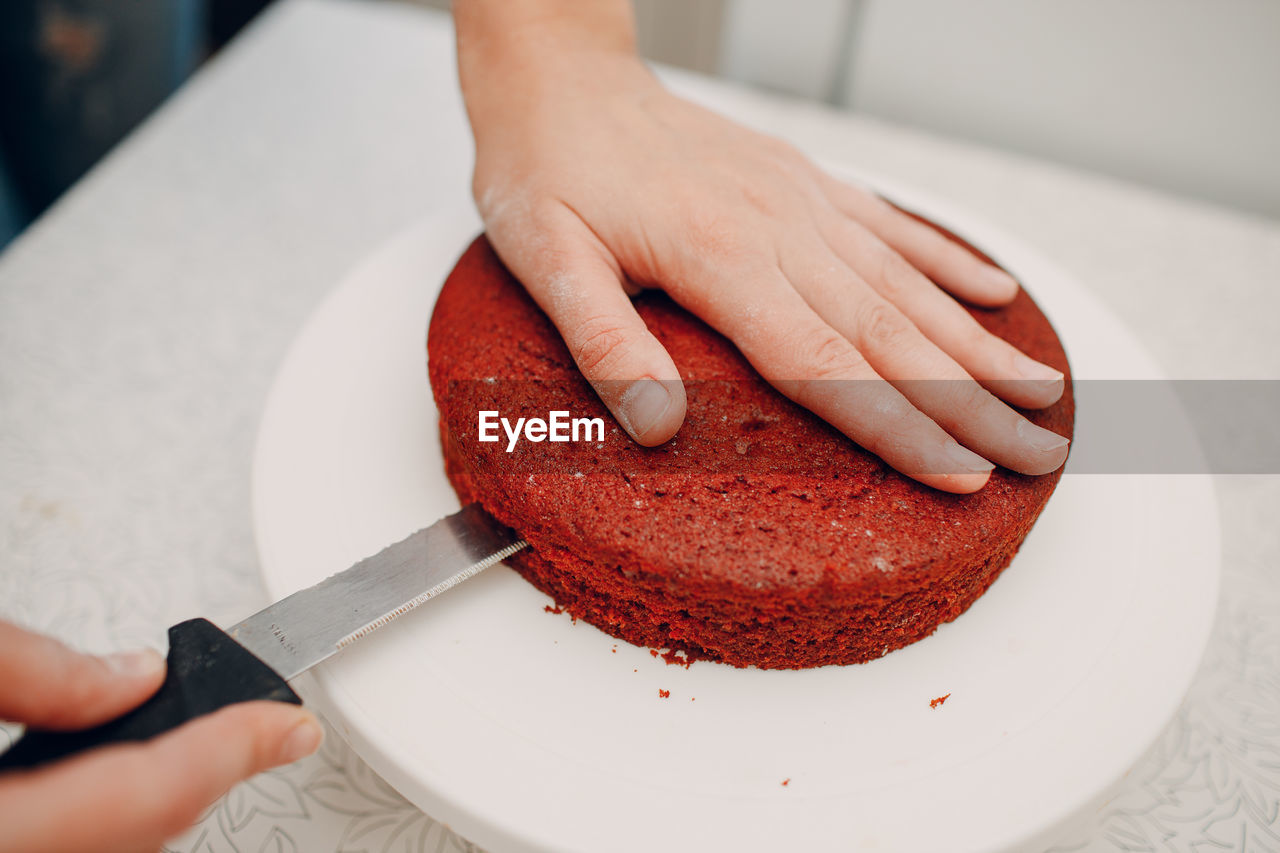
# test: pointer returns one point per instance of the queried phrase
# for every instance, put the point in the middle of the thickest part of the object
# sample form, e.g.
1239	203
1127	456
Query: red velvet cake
759	536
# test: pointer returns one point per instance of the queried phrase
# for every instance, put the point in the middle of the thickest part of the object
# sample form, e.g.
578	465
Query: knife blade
209	669
299	631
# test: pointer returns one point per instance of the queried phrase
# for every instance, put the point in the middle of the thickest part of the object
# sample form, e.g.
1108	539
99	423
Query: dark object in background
79	75
228	17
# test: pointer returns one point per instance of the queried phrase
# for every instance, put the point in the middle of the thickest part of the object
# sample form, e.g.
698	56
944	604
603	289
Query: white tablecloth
142	319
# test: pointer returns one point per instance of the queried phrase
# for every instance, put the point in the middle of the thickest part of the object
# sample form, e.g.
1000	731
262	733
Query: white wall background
1180	94
801	48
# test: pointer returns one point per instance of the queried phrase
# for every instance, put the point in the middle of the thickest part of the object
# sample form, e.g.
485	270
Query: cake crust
759	536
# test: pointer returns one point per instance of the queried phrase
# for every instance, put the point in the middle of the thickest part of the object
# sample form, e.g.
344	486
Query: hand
130	797
594	181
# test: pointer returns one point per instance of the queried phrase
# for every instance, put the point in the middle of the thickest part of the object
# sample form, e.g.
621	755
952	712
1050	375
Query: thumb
50	686
580	288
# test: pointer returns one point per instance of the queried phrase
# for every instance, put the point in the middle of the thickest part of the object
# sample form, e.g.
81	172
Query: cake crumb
664	694
553	608
786	781
933	703
679	657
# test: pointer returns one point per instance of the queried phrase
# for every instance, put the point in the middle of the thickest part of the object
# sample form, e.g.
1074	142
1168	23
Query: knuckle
832	357
897	277
881	326
962	402
977	407
598	343
966	399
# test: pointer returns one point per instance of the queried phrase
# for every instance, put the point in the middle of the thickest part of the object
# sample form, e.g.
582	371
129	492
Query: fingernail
966	458
1040	439
1029	368
643	405
303	740
141	663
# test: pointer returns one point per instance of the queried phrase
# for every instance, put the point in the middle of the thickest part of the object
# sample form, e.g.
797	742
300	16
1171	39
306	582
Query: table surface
143	317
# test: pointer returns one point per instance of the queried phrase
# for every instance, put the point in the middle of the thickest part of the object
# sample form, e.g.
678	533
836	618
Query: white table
142	319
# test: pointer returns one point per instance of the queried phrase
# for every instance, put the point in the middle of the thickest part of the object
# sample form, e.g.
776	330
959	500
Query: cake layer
759	535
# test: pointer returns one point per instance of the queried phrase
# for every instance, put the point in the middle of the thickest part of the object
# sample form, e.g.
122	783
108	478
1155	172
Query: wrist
514	54
493	28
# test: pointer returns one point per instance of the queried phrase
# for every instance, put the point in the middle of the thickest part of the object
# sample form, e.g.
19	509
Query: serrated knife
209	669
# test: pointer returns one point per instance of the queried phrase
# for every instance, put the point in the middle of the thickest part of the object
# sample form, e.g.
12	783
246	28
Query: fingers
925	375
995	363
947	263
134	797
828	342
819	368
50	686
580	288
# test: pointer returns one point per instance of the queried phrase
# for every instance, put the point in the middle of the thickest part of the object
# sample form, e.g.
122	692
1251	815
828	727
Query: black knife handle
207	670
